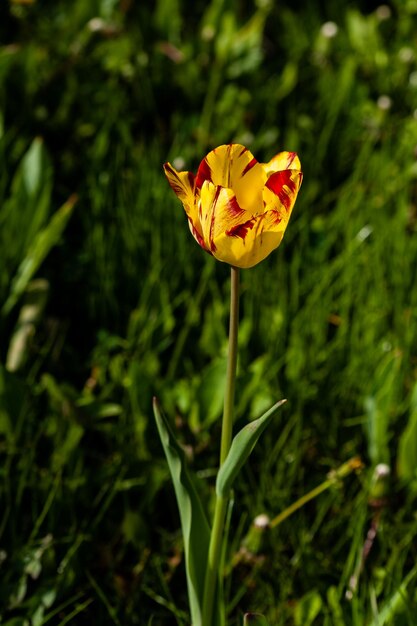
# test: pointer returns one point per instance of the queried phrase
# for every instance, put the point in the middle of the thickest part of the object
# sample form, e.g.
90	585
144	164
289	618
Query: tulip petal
218	211
233	166
281	190
282	161
234	235
246	245
183	183
197	236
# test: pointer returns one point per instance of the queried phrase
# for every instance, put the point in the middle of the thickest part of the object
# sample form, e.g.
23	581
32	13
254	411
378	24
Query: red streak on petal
242	151
241	230
213	216
249	166
291	157
277	217
281	184
204	173
191	179
176	184
233	208
197	236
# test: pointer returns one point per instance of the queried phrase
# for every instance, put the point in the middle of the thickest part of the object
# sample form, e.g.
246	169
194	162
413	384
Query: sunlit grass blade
397	602
307	609
34	303
354	464
407	447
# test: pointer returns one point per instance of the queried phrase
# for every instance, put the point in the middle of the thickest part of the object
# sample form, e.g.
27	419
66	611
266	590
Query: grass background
106	300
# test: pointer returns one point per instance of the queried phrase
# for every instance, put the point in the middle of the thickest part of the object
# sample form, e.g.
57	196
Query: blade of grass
42	244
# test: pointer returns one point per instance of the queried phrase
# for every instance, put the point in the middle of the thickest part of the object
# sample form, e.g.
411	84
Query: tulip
238	209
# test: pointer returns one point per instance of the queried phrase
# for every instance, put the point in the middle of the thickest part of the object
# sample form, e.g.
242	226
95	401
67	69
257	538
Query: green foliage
242	445
307	609
195	528
398	604
254	619
407	445
111	302
37	252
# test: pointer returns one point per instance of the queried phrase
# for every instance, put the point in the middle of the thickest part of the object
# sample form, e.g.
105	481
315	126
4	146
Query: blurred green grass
94	97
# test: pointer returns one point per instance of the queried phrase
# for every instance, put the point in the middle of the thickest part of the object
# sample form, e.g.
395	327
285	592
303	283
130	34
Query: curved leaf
194	524
242	445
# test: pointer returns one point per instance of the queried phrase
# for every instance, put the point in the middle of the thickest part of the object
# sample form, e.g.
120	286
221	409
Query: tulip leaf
194	524
242	445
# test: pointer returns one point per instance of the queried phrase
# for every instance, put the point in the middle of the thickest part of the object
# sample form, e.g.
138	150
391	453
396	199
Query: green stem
216	538
229	396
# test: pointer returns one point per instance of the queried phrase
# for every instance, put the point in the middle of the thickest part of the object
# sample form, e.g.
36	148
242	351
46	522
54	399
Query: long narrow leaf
242	445
407	446
397	601
42	244
194	524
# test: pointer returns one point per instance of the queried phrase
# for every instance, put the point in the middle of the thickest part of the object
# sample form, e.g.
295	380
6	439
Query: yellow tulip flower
238	209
